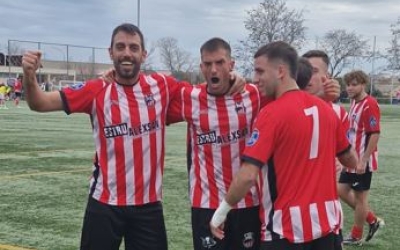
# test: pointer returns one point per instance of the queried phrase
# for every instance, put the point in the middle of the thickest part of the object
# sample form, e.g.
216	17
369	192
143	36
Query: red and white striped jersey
344	118
18	86
342	114
364	117
218	127
294	141
128	128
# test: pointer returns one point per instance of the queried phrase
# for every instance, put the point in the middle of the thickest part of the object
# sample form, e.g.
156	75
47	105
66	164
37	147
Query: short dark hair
319	54
359	75
304	72
129	29
214	44
280	51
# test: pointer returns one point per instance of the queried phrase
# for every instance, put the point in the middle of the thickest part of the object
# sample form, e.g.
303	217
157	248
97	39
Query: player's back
300	177
305	149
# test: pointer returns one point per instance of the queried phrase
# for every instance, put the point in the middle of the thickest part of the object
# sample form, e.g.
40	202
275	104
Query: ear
232	65
144	56
282	71
110	53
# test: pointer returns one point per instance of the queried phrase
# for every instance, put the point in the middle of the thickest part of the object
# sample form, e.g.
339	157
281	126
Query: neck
127	82
361	96
285	86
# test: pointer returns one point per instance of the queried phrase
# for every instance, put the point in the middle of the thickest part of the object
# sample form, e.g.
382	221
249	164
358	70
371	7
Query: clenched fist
31	62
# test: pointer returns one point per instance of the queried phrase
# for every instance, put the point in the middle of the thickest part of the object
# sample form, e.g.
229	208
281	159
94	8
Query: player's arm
35	97
348	158
372	144
245	178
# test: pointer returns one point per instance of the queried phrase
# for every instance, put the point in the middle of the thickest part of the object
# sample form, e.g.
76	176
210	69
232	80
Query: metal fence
59	61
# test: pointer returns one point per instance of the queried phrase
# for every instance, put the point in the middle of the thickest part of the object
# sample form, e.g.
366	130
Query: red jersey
342	114
364	119
218	127
129	131
17	86
295	140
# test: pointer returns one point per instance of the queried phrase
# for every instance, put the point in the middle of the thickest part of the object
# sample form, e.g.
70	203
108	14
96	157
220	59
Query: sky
191	22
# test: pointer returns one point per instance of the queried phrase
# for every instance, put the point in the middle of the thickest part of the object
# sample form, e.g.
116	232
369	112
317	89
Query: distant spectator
3	92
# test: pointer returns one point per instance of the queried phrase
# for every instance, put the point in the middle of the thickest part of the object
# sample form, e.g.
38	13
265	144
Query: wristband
220	214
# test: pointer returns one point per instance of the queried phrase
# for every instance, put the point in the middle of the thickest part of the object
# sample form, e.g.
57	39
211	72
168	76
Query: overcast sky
90	22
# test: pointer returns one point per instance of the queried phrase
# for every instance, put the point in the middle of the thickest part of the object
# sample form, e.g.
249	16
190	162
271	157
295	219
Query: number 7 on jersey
313	111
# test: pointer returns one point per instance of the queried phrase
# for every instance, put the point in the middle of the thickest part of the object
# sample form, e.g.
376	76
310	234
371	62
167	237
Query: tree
271	21
148	63
394	49
175	59
342	45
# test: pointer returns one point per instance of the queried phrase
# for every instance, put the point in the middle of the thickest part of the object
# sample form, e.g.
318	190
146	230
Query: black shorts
242	230
324	243
17	94
358	182
141	227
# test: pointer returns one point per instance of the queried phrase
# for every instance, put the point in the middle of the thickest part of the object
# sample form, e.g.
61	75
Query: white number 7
313	111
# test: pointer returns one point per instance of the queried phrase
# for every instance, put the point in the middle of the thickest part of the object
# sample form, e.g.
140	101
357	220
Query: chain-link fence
60	62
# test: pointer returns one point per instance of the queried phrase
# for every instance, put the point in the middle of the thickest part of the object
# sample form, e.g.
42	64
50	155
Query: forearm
372	144
240	185
349	159
242	182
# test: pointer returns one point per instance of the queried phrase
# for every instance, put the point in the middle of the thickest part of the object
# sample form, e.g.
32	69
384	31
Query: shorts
242	230
142	227
17	94
325	243
358	182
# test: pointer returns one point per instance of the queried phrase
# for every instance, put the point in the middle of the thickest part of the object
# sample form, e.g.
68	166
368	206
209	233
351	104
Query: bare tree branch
341	46
271	21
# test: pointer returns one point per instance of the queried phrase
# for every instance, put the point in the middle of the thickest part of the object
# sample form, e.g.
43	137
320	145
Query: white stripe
315	223
277	222
297	224
128	146
110	147
331	213
96	136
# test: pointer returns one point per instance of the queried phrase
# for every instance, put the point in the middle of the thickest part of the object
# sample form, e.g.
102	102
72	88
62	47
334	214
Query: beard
126	73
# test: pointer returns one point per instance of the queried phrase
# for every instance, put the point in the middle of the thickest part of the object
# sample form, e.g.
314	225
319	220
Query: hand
237	82
361	166
331	89
108	75
31	62
218	232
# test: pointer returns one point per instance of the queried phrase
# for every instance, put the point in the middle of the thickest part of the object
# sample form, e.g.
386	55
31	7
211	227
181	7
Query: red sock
371	217
356	232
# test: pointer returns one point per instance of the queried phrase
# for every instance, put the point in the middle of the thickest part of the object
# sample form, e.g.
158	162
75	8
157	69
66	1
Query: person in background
354	185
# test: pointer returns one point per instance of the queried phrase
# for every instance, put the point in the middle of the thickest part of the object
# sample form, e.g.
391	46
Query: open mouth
214	80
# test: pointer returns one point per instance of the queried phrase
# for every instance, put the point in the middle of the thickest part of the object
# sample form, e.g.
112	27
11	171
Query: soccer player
314	63
292	148
218	126
364	117
319	62
128	120
17	91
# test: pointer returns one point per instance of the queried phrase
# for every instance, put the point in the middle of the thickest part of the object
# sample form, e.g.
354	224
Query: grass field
45	164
